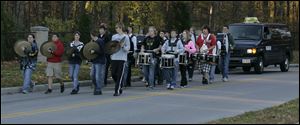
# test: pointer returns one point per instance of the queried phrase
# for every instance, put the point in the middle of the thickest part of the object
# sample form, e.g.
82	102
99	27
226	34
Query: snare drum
202	57
167	61
213	58
144	58
183	59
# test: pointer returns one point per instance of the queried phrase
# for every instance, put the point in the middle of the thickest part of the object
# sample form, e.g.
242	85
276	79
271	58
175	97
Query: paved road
196	104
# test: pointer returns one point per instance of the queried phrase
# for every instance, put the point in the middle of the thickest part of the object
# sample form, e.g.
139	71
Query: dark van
259	45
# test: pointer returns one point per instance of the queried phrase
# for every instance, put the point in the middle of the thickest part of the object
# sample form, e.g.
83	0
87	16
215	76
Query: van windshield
246	32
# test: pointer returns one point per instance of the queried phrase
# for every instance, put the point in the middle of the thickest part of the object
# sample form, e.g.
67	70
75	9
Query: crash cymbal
20	46
47	46
113	46
87	50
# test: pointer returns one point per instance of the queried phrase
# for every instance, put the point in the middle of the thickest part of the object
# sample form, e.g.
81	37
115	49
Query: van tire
284	66
259	66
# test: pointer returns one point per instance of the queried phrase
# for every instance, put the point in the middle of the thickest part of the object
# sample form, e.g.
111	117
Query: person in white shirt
172	46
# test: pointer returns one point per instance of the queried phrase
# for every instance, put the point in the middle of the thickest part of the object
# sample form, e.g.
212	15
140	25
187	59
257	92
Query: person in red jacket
54	64
206	42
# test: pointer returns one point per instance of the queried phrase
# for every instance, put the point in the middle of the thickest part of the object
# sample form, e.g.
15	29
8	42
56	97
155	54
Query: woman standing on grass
28	63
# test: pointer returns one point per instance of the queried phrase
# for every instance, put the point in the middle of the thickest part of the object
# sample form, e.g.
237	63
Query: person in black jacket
75	61
98	67
106	37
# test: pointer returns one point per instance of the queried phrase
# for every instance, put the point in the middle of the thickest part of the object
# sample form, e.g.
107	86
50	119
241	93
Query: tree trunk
288	9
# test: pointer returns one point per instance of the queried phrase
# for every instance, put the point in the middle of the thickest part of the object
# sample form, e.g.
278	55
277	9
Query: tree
84	27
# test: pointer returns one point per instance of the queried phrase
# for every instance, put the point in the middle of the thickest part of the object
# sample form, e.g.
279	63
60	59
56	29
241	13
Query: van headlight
251	51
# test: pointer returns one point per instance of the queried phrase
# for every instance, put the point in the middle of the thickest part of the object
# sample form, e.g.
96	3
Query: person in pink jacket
190	49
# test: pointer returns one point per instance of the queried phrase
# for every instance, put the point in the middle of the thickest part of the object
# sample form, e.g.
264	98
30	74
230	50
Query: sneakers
62	88
225	80
97	92
170	87
204	81
184	86
118	94
190	79
150	88
25	92
74	92
147	84
211	81
48	91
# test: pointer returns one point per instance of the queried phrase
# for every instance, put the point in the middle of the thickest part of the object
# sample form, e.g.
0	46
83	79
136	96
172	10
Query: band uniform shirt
178	48
201	38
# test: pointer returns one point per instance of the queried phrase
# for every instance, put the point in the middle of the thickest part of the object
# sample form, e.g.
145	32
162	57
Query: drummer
206	42
175	47
151	44
190	49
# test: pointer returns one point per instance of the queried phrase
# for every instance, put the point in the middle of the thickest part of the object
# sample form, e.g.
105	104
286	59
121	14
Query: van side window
267	33
275	33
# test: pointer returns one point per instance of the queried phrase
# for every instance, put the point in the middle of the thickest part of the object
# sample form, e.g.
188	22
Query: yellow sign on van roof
251	20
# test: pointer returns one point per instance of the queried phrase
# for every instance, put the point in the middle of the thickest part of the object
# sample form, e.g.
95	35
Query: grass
11	74
295	57
287	113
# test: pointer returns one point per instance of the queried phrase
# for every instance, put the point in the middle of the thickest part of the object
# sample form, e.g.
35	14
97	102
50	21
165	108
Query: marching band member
189	49
206	42
130	57
98	66
28	63
229	45
172	46
151	42
75	62
119	58
54	64
215	53
105	36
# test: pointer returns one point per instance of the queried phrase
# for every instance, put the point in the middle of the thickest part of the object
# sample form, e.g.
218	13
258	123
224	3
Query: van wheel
246	68
284	66
259	66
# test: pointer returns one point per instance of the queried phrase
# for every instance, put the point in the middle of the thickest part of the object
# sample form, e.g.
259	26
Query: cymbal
20	46
47	46
87	50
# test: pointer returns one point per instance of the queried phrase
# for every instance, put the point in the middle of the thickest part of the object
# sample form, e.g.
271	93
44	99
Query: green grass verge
287	113
11	74
295	57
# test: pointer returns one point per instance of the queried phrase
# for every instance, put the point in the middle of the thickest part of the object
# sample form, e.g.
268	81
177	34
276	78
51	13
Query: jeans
74	70
225	65
158	73
97	75
149	71
170	74
27	78
212	72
